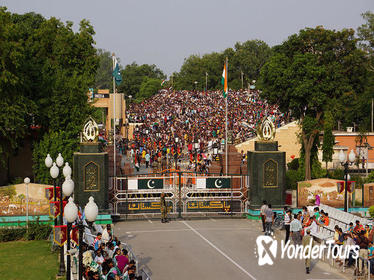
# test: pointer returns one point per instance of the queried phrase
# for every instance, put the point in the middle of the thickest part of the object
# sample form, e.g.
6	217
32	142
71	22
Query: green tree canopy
45	71
310	72
149	87
104	78
246	58
133	76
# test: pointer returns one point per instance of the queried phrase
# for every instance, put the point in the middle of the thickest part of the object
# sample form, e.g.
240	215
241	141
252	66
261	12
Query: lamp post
71	214
195	85
346	163
27	182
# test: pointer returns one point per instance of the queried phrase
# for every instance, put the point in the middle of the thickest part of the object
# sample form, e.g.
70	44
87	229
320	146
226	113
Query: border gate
187	194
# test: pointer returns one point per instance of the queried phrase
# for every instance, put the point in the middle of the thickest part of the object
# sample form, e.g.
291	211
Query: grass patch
32	260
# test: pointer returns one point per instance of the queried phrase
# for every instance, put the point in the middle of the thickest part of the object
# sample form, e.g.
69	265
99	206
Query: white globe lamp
91	210
71	211
54	171
59	160
66	170
48	161
342	156
68	186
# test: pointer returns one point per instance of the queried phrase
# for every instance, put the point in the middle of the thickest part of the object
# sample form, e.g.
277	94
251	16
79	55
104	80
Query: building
362	145
104	99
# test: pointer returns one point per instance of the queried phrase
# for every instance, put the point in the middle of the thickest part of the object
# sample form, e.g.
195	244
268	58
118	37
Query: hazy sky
164	32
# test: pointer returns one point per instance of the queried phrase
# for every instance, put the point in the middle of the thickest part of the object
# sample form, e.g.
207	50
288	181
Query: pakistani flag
145	184
213	183
116	72
224	80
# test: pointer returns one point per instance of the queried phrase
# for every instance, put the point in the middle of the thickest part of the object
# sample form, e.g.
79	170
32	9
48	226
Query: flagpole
227	96
114	120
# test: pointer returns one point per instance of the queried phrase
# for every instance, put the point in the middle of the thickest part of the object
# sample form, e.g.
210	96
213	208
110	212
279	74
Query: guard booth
187	194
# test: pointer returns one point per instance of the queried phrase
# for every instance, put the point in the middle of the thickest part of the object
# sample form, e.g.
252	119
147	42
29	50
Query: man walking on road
269	220
295	229
287	222
307	240
262	214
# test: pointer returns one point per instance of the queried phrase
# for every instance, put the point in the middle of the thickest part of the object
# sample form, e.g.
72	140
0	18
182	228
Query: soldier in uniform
164	209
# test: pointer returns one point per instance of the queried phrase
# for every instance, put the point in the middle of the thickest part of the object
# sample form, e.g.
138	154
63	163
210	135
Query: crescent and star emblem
151	184
218	183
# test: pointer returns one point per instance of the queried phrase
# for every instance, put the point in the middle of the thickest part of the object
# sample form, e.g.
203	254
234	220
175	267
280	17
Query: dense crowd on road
192	123
105	259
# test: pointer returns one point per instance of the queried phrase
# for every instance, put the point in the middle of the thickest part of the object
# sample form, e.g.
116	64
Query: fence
186	193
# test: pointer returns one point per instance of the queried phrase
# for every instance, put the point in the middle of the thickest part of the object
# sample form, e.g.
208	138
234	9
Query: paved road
208	249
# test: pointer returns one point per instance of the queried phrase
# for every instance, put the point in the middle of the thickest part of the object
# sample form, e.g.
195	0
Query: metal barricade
186	193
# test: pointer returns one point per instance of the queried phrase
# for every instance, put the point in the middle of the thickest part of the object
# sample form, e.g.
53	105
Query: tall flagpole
114	120
227	96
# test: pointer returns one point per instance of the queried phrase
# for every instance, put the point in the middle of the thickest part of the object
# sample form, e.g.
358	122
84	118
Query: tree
328	138
246	58
104	78
366	36
45	71
149	87
310	72
133	76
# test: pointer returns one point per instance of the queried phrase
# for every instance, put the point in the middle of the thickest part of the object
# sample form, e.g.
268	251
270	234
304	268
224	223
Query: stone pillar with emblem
266	168
91	169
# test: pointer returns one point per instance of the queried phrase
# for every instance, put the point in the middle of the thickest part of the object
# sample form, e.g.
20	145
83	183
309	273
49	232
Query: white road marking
183	229
212	219
147	219
220	251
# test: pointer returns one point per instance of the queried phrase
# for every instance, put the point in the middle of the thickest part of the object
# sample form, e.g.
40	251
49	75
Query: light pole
206	81
27	182
71	214
195	85
242	74
346	163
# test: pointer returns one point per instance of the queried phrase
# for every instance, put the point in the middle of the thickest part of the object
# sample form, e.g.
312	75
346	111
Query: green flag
217	183
150	184
116	72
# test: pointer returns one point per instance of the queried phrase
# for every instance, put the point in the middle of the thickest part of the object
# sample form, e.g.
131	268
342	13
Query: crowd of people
190	124
301	224
105	259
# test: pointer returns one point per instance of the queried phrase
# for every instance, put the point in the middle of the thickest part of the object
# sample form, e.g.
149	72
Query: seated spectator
350	228
358	228
99	259
97	242
326	221
316	213
313	227
122	260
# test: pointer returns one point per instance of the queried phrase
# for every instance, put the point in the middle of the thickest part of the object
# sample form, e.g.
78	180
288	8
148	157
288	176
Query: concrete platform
209	249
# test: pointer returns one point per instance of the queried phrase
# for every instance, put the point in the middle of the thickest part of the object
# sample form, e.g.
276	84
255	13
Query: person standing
307	239
164	209
269	220
147	159
262	214
287	222
295	229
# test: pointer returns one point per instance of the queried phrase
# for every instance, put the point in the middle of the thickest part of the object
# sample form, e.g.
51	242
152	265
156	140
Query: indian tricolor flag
224	80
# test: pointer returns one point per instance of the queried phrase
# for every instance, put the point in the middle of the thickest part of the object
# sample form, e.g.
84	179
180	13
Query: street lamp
71	215
27	182
346	163
195	85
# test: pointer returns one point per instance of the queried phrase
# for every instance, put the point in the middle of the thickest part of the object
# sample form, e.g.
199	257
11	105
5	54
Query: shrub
371	211
292	177
36	231
294	164
12	234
